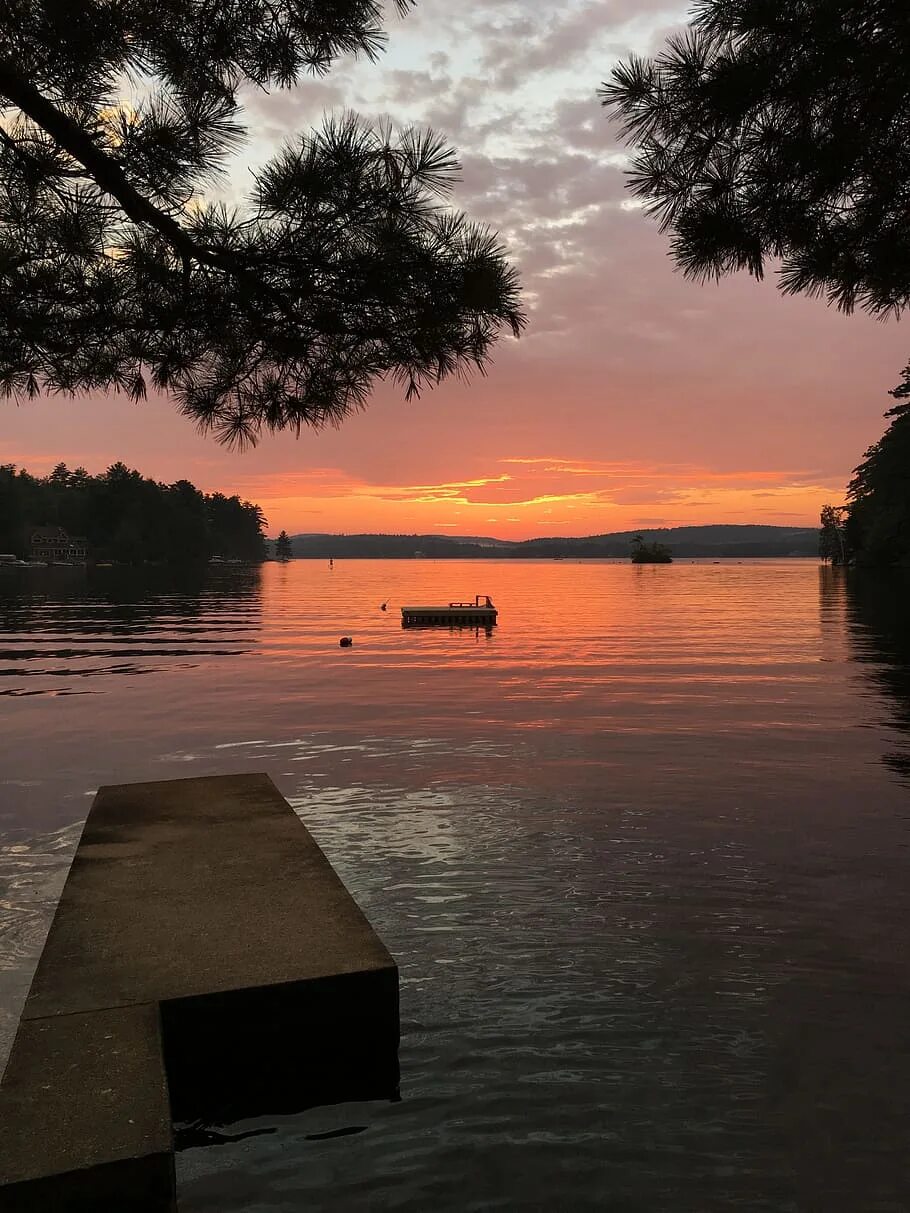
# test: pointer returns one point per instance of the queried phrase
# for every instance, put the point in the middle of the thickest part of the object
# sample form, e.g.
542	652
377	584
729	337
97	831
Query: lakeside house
52	543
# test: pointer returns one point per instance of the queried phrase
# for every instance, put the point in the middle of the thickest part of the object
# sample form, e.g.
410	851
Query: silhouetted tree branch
344	266
780	132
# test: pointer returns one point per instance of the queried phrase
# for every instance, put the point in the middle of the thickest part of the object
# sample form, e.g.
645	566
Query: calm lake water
641	853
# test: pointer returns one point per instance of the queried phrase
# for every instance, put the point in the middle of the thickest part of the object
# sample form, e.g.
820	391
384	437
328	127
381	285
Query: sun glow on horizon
543	494
521	496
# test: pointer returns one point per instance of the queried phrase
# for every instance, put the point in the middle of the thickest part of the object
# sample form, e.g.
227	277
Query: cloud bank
654	393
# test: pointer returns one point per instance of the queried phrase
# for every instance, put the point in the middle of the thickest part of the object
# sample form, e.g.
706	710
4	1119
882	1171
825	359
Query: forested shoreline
128	518
873	527
691	542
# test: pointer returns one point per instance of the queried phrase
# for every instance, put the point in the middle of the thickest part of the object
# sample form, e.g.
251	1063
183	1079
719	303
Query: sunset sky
634	399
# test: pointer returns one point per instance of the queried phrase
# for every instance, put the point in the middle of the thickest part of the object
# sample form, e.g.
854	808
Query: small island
650	553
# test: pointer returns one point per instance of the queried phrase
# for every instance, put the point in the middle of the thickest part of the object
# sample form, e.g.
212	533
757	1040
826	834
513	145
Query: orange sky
635	398
546	496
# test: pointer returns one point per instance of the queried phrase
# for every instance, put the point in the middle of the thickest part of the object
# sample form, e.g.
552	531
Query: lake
641	853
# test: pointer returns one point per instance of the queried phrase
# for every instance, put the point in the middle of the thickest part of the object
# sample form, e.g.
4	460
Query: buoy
346	642
383	607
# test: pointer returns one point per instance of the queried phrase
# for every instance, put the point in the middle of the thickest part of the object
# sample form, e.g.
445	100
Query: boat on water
479	613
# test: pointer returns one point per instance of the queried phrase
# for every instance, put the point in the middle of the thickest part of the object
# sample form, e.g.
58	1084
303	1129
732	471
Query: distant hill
684	541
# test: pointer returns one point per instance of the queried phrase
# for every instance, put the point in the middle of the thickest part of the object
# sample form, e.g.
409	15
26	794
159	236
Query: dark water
642	855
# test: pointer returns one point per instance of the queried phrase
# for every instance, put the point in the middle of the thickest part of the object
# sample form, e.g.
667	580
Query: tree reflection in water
878	613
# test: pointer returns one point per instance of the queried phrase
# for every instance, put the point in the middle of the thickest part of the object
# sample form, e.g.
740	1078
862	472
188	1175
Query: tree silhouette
780	132
649	553
878	497
127	517
283	548
342	267
832	539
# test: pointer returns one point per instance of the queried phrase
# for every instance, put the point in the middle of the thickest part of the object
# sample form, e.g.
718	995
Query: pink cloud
633	388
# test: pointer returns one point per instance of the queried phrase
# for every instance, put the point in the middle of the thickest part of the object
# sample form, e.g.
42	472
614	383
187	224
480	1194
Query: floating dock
479	613
205	963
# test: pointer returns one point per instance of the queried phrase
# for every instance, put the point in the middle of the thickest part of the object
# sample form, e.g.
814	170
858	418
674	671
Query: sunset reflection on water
640	852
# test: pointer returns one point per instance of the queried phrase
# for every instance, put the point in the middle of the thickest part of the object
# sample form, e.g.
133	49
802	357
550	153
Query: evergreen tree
342	267
283	548
780	132
832	540
878	509
650	553
126	517
235	527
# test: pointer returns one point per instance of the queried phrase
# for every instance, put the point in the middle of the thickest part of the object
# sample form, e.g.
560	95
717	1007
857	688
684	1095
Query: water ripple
640	854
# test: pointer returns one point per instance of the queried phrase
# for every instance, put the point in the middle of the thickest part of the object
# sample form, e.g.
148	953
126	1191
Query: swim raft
479	613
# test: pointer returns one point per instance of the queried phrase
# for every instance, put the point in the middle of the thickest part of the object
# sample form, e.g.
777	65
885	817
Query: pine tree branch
110	179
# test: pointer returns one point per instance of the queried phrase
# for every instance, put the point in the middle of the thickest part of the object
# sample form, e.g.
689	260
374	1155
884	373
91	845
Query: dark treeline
873	528
128	518
878	497
686	542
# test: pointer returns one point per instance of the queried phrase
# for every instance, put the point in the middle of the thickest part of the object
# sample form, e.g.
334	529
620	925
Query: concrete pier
205	963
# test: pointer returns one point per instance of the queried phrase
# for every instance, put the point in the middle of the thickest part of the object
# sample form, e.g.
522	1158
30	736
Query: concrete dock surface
205	963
